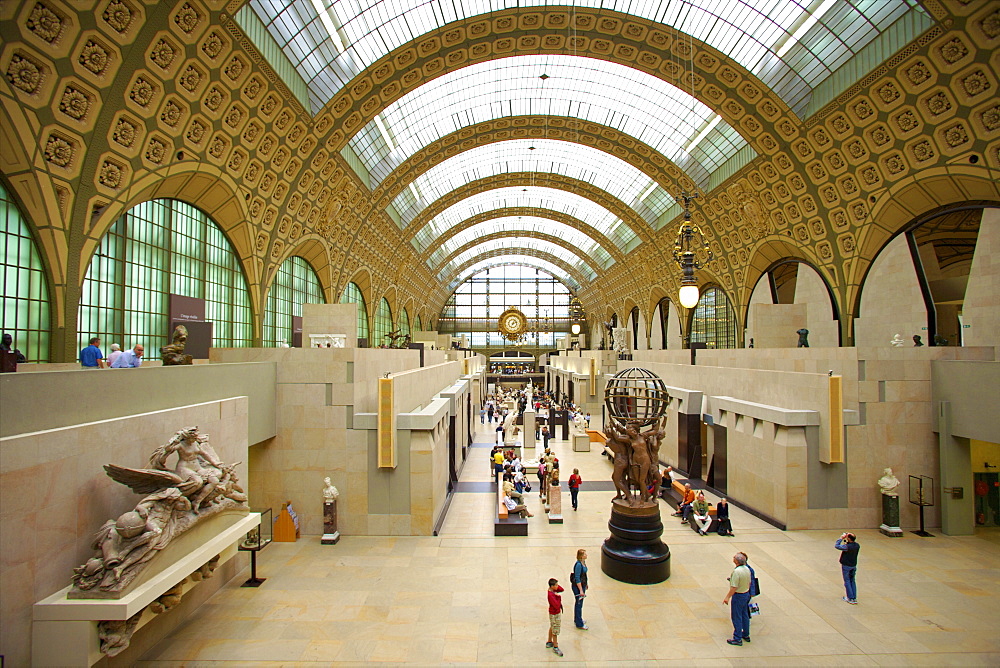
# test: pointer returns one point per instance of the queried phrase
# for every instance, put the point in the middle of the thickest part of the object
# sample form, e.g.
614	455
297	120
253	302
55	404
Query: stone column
529	428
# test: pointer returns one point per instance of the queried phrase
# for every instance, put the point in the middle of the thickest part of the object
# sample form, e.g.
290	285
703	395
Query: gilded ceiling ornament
938	104
171	114
58	151
213	100
991	118
918	73
124	133
975	83
162	54
94	57
906	121
953	51
74	103
991	25
23	73
110	174
922	151
888	92
117	15
44	23
187	18
156	151
956	135
142	92
190	78
196	132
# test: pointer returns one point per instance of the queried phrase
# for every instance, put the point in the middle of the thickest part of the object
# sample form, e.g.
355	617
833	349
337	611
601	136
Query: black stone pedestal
634	553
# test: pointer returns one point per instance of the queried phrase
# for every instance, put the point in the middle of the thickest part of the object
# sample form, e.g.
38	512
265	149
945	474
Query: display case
256	540
922	496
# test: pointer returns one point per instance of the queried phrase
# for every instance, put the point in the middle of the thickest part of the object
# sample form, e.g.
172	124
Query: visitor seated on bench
684	509
699	510
519	508
722	515
510	489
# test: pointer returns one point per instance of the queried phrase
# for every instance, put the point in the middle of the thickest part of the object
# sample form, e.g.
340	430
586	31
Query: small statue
888	482
173	354
803	338
896	341
917	343
940	340
330	493
7	346
751	342
282	343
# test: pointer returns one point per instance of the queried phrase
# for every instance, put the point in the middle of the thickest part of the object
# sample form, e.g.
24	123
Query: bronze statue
173	354
636	457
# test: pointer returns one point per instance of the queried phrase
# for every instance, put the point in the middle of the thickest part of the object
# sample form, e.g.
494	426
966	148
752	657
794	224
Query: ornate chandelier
685	254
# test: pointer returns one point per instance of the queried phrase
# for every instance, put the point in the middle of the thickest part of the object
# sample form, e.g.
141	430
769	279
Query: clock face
512	324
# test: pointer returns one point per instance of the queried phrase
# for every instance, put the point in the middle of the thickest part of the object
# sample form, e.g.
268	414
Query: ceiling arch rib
791	46
515	213
638	104
526	256
515	239
609	173
515	245
525	226
525	196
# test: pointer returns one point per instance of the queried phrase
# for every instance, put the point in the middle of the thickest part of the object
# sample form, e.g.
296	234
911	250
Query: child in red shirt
555	615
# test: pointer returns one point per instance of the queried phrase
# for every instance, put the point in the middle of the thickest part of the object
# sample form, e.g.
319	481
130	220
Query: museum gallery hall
298	297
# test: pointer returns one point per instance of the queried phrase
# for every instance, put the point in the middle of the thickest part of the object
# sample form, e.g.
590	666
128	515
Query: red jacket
574	481
555	600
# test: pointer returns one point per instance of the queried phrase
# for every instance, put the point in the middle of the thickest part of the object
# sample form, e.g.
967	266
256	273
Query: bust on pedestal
330	494
890	505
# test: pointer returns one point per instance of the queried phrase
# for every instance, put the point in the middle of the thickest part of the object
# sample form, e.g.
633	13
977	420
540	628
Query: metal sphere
636	395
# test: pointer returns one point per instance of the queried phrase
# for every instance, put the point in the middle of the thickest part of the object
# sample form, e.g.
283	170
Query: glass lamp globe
575	328
688	296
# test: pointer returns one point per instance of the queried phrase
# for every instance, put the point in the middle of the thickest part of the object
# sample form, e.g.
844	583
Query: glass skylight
535	197
514	244
602	170
528	225
638	104
555	270
791	48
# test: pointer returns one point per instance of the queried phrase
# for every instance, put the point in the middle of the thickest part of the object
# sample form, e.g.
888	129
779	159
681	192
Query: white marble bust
330	492
888	483
897	341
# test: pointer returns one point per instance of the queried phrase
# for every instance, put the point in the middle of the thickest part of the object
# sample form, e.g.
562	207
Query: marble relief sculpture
176	498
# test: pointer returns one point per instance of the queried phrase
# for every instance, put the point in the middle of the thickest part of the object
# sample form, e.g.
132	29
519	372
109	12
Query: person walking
578	580
555	615
489	411
574	486
739	594
482	416
849	547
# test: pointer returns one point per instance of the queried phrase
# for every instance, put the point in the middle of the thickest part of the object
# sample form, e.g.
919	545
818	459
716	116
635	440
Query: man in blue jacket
848	545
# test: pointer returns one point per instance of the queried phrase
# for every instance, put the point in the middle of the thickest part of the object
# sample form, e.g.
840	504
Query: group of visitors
92	357
695	506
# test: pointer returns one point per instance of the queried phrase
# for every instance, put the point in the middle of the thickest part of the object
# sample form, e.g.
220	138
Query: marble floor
466	596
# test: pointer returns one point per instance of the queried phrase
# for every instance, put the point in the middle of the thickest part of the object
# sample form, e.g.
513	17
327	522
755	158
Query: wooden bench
596	436
506	524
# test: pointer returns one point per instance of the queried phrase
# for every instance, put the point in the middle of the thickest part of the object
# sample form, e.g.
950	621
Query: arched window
352	295
158	248
383	323
663	310
474	307
418	327
24	294
634	321
295	284
404	323
713	321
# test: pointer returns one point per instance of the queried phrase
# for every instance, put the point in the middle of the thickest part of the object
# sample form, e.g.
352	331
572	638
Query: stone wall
981	309
891	301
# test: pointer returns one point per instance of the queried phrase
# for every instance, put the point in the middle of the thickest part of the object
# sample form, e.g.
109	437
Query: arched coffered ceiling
528	256
514	240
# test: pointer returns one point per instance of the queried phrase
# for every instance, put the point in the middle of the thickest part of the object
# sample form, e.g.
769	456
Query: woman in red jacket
574	486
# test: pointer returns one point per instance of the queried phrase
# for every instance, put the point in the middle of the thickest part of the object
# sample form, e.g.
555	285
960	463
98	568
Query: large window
477	303
158	248
295	284
404	323
383	323
24	294
418	326
713	321
352	295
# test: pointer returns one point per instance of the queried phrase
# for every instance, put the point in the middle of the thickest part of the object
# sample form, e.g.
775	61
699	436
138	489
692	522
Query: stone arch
313	249
628	40
514	211
503	234
530	252
601	137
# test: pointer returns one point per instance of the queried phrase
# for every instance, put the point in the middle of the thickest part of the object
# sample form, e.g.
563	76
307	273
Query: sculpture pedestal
890	516
330	534
555	504
634	553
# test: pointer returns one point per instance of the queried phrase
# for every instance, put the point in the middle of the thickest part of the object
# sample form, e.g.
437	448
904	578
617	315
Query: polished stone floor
468	597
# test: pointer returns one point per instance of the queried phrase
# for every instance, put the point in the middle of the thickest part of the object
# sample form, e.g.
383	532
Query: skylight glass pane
353	34
528	225
553	269
634	102
534	197
602	170
513	245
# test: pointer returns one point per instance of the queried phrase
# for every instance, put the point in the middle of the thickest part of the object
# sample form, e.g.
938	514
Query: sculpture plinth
890	516
634	553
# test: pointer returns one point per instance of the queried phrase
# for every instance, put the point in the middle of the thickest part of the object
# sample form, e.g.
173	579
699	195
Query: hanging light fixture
686	249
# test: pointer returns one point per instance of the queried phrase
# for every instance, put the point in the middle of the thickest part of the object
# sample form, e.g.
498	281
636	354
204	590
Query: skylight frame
552	269
579	262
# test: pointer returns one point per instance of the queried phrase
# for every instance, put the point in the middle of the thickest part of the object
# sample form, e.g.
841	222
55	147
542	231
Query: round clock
512	324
